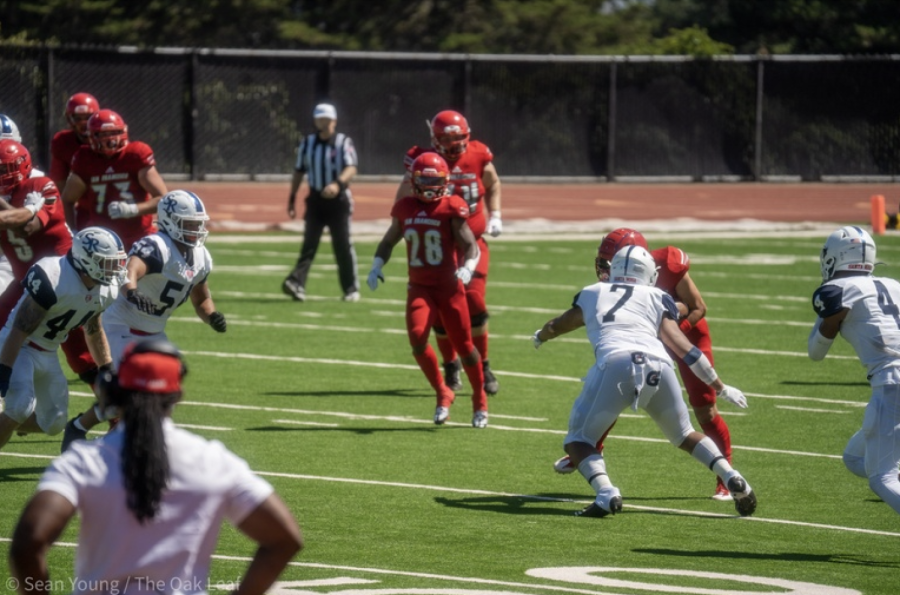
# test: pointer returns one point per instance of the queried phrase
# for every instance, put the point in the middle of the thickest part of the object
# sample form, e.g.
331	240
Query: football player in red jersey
675	280
433	223
65	143
113	183
474	178
43	234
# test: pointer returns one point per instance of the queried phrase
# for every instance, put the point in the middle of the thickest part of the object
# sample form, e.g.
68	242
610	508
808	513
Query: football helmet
181	216
612	243
633	265
79	109
100	254
108	132
850	248
430	177
8	129
449	134
15	165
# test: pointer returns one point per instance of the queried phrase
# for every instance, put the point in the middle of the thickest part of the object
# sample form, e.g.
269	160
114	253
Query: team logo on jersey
88	298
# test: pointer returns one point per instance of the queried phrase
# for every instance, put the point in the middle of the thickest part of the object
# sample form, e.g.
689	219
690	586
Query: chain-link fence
216	113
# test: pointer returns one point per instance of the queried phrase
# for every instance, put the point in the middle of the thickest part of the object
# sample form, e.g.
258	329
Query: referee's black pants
335	214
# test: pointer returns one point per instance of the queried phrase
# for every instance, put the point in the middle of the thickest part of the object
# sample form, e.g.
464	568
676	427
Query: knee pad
855	464
17	410
56	426
479	319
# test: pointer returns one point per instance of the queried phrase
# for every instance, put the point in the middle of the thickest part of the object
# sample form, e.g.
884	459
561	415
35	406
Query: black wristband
341	184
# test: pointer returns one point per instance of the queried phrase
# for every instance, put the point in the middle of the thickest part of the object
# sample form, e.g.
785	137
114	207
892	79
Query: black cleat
743	494
71	434
451	375
594	510
491	386
293	289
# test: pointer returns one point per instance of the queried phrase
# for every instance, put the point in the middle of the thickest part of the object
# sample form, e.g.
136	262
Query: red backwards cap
150	372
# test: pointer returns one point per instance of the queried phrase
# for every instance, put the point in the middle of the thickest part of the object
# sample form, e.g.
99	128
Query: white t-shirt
207	484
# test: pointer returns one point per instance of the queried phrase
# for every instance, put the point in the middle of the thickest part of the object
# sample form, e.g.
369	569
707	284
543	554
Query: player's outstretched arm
568	321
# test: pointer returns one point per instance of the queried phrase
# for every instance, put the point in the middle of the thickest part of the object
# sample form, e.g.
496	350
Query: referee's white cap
325	110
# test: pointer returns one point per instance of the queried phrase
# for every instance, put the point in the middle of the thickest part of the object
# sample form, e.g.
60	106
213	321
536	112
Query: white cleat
441	414
480	419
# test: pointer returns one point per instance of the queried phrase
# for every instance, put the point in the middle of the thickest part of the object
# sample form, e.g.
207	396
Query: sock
717	429
448	354
475	374
593	469
712	458
427	360
77	424
481	344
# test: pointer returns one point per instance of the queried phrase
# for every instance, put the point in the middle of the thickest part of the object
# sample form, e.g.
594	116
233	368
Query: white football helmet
633	265
850	248
181	216
8	129
100	254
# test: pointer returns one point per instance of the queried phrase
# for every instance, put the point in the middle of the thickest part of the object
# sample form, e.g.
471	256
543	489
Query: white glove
464	275
733	395
375	274
33	202
535	338
495	225
122	210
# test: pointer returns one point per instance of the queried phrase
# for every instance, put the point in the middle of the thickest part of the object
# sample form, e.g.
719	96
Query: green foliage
695	27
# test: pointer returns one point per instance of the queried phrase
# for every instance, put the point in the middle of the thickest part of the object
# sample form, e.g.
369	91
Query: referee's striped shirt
323	161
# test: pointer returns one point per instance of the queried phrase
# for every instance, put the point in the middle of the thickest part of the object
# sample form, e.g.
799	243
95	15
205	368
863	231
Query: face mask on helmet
100	254
15	165
850	248
430	177
449	134
79	110
108	132
633	265
183	218
612	243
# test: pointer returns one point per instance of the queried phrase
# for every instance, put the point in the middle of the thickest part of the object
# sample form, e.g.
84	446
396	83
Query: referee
327	160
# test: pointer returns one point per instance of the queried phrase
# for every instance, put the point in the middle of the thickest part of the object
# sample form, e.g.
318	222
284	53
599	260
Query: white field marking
811	410
297	422
429	421
765	276
857	404
195	427
759	321
757	297
523	338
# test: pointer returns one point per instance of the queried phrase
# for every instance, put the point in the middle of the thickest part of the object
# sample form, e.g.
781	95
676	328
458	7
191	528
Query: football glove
536	339
464	275
217	322
733	396
141	301
122	210
5	373
375	274
33	202
495	225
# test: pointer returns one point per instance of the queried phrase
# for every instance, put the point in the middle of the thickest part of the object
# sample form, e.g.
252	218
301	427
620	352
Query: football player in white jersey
61	293
629	324
864	309
164	270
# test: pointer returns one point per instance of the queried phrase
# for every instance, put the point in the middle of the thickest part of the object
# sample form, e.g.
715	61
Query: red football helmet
79	109
108	132
15	165
449	134
430	177
612	243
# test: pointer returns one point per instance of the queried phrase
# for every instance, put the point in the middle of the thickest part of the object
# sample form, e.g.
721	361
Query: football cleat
480	419
352	296
743	494
609	501
722	494
441	414
491	386
451	375
564	466
293	289
71	434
